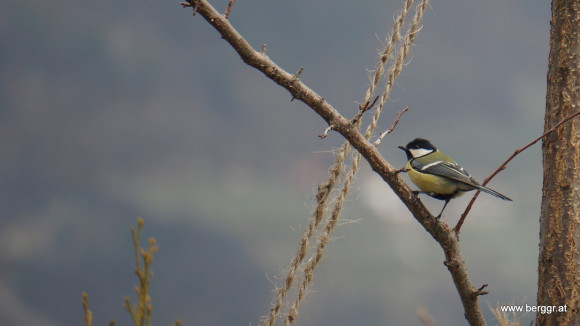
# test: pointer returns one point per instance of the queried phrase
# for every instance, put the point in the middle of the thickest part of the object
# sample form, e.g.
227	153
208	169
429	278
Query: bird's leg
445	205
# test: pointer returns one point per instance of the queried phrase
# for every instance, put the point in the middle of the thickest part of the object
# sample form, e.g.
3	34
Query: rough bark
559	258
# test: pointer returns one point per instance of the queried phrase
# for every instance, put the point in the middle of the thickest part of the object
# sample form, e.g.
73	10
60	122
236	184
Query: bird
438	175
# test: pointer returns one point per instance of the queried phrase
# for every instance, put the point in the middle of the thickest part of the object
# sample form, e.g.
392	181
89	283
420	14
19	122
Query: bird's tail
493	192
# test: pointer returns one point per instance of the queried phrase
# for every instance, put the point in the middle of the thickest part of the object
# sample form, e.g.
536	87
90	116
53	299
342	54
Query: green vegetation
142	309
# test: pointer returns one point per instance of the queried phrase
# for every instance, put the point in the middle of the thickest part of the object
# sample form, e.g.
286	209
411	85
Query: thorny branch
301	92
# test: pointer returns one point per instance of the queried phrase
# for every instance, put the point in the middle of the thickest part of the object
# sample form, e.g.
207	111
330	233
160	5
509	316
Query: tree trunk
559	258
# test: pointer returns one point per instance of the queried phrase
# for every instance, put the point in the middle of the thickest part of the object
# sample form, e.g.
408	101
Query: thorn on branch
325	133
297	74
296	79
189	3
264	46
480	291
362	109
228	9
392	127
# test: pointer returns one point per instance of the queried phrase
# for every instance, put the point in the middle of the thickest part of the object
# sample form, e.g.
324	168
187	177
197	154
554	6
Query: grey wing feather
455	172
450	171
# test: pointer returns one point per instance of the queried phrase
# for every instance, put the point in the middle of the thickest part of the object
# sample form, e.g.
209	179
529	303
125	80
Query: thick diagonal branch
298	90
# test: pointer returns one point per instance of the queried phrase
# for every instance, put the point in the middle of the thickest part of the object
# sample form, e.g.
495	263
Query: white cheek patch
418	152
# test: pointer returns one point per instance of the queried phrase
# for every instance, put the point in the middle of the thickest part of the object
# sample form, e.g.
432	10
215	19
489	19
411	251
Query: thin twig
502	167
228	9
298	73
392	127
364	108
192	4
402	170
480	291
325	133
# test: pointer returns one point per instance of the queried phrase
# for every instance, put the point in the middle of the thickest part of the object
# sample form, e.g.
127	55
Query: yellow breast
432	184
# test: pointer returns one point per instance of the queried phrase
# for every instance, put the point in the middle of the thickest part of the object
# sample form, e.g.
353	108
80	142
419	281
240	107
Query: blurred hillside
112	110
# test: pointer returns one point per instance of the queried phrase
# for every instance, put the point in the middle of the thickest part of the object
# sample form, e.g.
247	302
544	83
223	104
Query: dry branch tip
364	108
480	291
392	127
297	74
402	170
191	3
325	133
228	9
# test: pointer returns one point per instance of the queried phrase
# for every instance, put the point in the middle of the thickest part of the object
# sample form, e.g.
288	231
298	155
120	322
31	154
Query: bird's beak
407	152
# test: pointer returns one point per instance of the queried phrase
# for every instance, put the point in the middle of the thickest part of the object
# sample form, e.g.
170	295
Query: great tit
437	175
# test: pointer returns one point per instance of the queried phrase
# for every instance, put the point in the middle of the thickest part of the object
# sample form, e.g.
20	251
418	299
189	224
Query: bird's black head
418	147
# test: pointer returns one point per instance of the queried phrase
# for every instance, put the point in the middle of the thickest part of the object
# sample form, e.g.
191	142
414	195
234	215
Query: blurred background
113	110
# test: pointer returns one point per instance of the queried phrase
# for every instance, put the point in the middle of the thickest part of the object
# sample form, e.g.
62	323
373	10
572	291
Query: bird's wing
449	170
